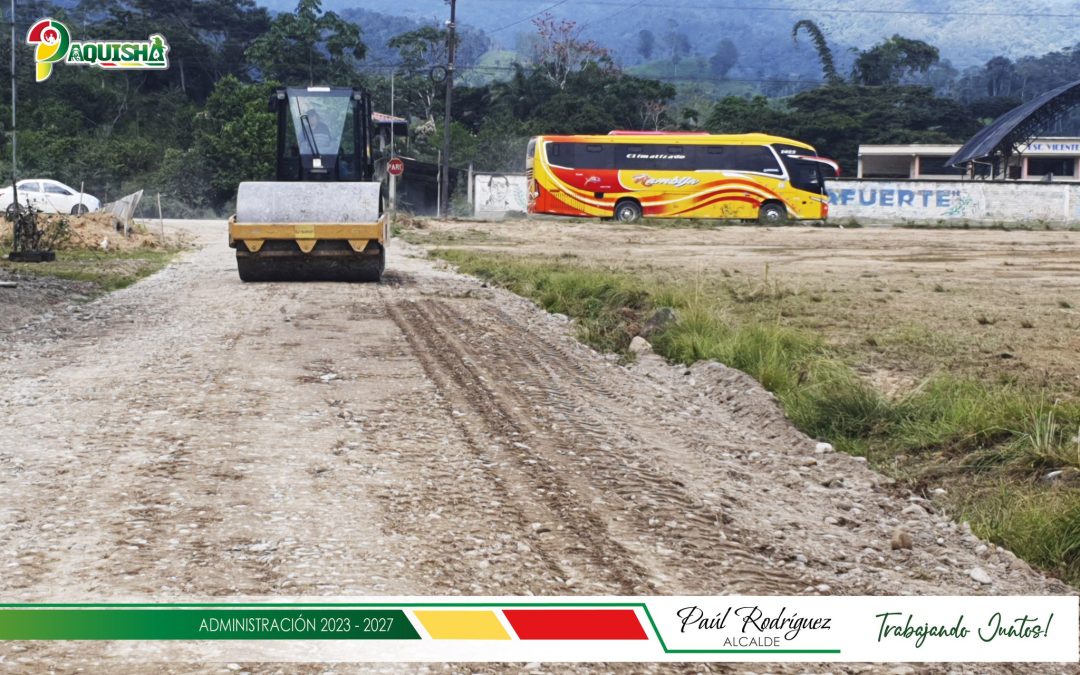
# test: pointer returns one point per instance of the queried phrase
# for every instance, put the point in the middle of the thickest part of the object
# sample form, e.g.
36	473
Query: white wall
496	194
932	201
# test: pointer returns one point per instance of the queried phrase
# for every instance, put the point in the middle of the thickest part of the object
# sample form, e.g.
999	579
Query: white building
1044	159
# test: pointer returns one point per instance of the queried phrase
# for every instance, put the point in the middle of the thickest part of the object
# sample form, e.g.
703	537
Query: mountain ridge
968	32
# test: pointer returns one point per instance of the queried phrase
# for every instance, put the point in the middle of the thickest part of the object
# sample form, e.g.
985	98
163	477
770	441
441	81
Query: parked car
50	196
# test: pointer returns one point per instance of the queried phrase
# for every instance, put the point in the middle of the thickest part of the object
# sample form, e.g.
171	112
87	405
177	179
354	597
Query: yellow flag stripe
462	625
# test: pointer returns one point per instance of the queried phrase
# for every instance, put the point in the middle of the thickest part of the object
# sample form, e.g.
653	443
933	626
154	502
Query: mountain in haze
968	32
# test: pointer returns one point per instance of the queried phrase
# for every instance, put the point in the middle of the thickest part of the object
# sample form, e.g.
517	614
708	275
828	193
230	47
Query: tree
735	115
724	59
183	179
828	66
678	42
420	50
207	39
651	114
234	136
999	76
561	51
987	110
308	46
646	44
836	119
690	117
887	62
594	99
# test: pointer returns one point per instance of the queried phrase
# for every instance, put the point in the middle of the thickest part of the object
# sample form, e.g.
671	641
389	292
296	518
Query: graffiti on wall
945	200
496	194
948	202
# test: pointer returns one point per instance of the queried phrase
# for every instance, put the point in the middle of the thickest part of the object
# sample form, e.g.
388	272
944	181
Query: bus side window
595	156
628	157
713	157
676	160
560	154
754	158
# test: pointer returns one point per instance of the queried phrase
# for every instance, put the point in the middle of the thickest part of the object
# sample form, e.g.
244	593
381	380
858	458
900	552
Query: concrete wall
932	201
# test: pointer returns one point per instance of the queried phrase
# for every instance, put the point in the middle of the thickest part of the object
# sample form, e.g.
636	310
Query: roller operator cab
322	218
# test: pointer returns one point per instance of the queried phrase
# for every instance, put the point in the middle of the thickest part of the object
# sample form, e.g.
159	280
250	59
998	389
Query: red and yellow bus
629	175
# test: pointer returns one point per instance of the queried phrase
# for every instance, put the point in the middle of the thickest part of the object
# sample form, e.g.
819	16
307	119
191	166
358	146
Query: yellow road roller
322	219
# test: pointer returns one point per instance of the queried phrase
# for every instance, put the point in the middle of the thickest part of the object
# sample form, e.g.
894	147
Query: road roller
322	218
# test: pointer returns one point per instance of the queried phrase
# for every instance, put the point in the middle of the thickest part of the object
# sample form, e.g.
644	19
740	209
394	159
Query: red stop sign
395	167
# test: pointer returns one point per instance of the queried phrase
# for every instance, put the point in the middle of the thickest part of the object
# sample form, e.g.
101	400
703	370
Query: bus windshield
804	168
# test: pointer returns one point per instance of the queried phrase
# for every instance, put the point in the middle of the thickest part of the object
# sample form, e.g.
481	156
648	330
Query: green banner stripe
204	624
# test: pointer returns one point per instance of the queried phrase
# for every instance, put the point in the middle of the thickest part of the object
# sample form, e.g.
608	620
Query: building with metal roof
1038	159
1009	135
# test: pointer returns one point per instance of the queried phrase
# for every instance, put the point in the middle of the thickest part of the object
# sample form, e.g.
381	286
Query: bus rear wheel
772	213
628	211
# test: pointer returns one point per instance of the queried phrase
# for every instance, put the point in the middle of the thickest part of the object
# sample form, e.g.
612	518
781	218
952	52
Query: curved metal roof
1018	125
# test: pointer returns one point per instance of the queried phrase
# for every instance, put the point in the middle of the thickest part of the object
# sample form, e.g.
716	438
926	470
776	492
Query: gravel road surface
193	438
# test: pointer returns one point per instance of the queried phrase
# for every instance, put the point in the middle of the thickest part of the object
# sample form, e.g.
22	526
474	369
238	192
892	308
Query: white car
50	196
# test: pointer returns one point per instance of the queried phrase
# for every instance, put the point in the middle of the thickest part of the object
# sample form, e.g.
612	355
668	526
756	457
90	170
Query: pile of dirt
93	231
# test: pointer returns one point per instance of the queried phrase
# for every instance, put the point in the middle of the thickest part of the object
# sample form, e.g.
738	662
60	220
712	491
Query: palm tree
822	47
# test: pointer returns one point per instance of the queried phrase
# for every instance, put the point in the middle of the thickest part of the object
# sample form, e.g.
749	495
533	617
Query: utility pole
13	94
393	153
444	182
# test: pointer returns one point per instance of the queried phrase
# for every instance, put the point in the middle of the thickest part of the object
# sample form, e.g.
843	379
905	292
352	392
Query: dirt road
192	437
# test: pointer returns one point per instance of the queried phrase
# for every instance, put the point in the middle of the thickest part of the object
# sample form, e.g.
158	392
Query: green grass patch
1039	522
107	270
609	308
949	427
448	238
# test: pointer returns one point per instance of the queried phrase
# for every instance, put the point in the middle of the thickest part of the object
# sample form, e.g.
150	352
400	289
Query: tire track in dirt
749	427
609	459
578	541
445	480
657	418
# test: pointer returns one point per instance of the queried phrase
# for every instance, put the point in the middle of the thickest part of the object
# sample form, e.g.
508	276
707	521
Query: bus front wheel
627	211
772	213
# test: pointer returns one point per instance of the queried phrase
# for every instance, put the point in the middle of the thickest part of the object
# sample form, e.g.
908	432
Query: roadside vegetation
990	443
89	248
192	132
108	271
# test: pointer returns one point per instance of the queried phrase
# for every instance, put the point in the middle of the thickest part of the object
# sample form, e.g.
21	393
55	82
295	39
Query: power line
614	14
813	10
531	16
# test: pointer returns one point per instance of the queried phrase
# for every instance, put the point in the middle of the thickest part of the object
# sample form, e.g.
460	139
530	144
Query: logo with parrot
52	44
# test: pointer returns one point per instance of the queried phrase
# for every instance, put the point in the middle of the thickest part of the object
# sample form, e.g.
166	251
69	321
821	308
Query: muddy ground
193	438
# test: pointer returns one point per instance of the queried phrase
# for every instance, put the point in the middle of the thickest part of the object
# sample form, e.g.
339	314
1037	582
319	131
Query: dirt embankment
91	232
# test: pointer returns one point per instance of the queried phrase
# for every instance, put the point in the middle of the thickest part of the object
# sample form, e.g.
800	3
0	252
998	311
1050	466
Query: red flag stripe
575	624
